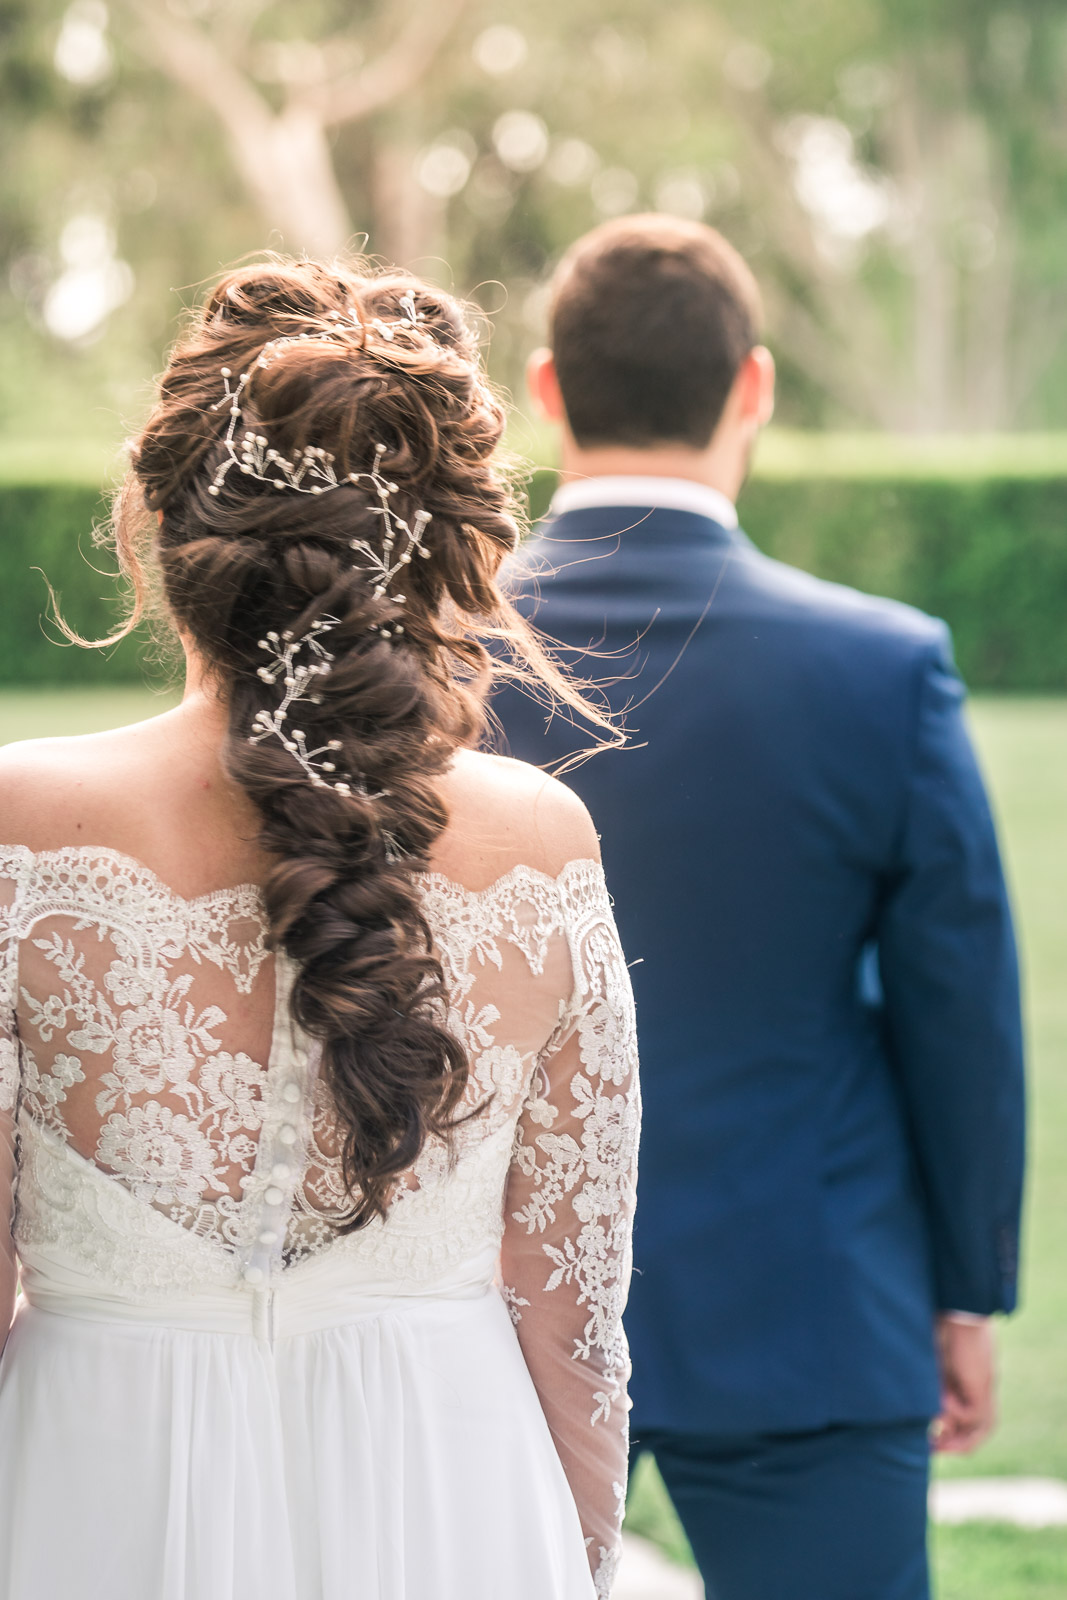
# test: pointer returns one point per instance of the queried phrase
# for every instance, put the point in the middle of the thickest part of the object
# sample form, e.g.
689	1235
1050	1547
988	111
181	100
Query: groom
808	885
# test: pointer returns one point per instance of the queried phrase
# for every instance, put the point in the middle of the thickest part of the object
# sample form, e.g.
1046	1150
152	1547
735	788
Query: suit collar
666	494
637	533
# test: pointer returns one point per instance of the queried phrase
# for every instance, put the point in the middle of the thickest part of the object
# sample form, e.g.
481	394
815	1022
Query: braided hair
378	370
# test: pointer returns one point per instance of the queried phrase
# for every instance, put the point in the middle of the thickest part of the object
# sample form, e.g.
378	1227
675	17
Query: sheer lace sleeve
568	1219
9	1086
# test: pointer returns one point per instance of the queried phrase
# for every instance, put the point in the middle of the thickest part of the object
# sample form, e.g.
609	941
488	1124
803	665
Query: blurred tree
283	154
933	301
895	169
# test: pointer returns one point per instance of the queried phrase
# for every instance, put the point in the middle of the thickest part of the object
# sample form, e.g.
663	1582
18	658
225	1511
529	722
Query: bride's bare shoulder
36	779
51	788
503	813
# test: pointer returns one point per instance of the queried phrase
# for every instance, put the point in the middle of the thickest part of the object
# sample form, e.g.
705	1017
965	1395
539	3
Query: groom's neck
721	466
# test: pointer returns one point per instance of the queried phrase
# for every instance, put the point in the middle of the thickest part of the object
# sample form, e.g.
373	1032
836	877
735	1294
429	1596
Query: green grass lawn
1023	743
1024	746
984	1561
43	713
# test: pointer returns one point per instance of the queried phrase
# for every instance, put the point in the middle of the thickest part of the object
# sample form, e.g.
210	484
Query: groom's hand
968	1384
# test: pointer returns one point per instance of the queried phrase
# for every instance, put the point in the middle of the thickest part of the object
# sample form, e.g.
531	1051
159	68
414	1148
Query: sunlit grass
1024	746
987	1561
795	453
791	453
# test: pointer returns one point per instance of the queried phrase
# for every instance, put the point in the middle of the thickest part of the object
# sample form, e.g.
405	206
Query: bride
317	1076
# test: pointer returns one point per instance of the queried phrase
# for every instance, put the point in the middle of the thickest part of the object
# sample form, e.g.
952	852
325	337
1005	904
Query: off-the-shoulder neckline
253	891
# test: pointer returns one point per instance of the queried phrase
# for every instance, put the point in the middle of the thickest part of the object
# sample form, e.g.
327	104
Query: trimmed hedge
46	533
989	554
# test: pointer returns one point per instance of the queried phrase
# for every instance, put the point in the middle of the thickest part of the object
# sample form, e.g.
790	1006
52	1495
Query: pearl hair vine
314	470
315	465
411	318
300	682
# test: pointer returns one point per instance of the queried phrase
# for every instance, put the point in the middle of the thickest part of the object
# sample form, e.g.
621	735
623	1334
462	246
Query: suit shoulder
896	625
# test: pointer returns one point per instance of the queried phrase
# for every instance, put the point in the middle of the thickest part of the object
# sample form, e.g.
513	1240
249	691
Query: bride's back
307	846
151	1007
319	492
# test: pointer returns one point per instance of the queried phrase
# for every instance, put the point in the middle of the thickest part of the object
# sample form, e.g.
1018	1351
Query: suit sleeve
951	986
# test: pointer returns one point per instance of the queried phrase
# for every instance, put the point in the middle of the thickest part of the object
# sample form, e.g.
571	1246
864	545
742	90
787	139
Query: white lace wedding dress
210	1394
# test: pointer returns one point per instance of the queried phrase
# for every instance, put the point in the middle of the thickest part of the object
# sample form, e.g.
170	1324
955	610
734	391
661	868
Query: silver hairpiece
384	564
314	471
411	318
300	681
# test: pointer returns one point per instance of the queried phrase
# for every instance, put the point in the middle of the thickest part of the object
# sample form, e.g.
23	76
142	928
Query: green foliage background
46	537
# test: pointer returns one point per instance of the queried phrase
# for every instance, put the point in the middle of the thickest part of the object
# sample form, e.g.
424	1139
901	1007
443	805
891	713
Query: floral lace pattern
597	1167
9	1074
166	1109
570	1208
151	1122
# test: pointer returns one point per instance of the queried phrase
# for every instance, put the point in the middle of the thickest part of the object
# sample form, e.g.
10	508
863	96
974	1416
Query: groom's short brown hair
651	317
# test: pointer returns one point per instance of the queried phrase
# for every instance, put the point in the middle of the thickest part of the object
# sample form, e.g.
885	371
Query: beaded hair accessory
299	680
314	472
299	683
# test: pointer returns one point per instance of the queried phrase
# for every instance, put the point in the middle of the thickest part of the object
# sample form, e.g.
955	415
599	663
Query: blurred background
895	171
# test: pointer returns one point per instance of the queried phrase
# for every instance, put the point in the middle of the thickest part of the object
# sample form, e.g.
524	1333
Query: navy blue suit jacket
807	881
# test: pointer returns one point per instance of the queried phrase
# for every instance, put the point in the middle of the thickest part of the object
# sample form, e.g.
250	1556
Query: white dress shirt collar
670	494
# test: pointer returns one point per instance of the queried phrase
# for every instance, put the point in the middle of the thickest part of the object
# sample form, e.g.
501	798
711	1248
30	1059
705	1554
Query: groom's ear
755	387
543	384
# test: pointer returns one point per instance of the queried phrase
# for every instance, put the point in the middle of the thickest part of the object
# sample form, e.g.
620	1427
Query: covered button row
280	1172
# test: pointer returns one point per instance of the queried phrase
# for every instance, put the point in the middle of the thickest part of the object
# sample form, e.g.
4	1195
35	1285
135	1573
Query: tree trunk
407	221
294	182
285	158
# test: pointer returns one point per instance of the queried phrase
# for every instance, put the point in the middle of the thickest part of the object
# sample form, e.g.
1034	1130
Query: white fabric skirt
398	1454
